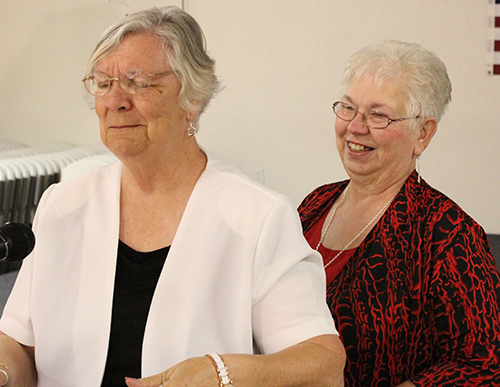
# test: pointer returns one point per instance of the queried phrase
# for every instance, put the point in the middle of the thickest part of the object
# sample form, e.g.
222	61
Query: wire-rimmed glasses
137	82
372	118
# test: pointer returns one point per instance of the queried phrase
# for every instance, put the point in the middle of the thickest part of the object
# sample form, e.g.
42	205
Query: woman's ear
425	133
191	116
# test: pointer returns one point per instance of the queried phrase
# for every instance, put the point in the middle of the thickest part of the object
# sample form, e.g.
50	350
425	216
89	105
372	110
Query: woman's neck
164	171
368	188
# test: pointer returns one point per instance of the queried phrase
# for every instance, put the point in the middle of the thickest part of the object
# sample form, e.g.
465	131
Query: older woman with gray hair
99	303
411	282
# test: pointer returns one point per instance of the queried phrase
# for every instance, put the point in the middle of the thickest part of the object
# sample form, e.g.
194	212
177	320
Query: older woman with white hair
411	282
168	268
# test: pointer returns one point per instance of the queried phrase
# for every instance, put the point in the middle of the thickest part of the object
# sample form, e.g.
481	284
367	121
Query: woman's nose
117	98
358	125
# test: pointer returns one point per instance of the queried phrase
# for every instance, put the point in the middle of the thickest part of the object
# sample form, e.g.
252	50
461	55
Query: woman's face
379	155
132	124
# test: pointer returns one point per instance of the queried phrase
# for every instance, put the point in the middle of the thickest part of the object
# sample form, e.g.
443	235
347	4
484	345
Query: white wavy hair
184	46
418	73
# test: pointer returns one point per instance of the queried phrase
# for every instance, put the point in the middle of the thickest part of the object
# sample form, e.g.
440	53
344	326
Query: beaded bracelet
5	373
222	372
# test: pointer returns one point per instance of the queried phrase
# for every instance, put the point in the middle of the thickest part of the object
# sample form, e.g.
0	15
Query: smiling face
132	124
379	155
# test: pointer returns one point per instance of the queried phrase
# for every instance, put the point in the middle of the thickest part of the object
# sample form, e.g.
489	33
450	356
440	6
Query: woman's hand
18	362
197	371
318	361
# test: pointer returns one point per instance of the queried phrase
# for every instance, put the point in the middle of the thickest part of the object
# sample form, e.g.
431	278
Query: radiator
25	173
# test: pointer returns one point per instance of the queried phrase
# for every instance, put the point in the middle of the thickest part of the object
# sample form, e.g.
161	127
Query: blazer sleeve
465	294
16	318
289	298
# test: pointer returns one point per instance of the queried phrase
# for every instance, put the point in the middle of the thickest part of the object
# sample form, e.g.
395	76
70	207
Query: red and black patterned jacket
420	298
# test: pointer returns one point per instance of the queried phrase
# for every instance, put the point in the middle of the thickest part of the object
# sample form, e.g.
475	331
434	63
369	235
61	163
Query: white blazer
239	276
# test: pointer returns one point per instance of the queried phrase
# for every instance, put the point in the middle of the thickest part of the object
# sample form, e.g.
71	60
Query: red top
313	236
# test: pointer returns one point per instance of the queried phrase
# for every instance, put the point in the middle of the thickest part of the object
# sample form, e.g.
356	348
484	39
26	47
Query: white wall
281	63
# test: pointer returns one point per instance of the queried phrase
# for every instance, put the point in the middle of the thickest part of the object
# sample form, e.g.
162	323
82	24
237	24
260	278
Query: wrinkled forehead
130	44
144	52
376	92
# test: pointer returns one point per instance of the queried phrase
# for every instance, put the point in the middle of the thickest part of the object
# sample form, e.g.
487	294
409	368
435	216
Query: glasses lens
135	83
377	120
344	111
97	84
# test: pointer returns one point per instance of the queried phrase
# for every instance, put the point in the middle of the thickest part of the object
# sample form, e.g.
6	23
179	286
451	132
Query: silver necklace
341	201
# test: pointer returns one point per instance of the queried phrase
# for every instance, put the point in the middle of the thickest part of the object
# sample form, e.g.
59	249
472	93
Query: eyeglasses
372	118
98	84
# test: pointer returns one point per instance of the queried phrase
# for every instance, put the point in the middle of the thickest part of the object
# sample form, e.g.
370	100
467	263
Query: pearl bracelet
222	372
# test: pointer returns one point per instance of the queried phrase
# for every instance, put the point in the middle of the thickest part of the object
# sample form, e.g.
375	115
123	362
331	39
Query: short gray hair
418	73
184	45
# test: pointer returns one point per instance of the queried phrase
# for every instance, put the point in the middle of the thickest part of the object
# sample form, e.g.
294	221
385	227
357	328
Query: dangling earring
191	131
417	167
